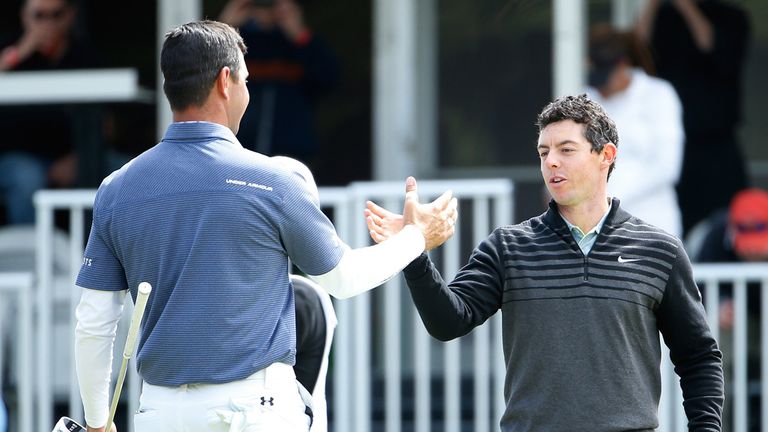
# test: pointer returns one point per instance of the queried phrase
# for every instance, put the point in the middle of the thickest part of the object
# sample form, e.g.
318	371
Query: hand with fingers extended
435	220
382	223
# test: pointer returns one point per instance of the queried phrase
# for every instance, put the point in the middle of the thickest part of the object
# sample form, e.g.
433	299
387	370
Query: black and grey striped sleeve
452	310
693	349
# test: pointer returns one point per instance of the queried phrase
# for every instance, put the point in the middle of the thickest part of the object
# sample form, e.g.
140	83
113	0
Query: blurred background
442	90
479	74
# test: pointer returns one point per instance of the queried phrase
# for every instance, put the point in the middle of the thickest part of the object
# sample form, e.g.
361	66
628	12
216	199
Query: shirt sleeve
362	269
307	234
97	315
100	269
693	349
452	310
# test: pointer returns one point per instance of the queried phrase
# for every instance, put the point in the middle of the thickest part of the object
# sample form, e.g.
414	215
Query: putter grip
138	311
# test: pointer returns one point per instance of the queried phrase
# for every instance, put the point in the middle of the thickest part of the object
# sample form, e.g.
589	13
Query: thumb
410	189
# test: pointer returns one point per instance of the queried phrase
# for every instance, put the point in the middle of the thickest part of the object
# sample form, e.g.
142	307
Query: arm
290	17
644	25
359	270
29	43
447	311
453	310
319	63
698	24
97	315
424	227
236	12
362	269
693	350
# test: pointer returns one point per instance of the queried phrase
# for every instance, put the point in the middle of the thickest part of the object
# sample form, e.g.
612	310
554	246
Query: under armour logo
271	401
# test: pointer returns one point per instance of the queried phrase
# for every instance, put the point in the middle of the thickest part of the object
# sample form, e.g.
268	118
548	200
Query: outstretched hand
435	220
382	223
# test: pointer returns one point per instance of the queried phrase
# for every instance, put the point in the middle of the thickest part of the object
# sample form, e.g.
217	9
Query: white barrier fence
741	280
386	372
15	302
385	318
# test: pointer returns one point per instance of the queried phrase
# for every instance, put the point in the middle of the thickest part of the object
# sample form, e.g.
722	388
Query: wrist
415	235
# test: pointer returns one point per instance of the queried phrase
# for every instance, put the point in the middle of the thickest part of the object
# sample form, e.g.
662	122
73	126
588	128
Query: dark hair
608	45
599	130
192	56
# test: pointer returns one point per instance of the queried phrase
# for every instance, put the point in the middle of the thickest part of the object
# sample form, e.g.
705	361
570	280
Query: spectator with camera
37	148
289	67
700	47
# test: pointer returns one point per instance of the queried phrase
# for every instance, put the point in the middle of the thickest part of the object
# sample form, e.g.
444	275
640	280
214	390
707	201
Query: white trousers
267	401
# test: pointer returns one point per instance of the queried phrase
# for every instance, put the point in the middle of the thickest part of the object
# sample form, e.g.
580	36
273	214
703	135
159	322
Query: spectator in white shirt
648	114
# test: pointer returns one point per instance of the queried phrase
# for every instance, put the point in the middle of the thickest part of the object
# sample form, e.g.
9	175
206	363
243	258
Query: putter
66	424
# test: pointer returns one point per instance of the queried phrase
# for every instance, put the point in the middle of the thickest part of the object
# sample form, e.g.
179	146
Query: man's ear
223	82
609	153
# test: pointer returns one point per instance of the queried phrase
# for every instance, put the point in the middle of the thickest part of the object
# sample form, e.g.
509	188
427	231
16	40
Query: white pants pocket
148	421
260	414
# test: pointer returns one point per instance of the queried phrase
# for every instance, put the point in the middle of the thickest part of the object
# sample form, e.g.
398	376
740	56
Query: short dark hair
599	130
192	56
608	45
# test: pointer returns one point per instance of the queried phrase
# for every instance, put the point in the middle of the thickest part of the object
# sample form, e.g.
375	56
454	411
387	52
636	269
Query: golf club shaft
133	331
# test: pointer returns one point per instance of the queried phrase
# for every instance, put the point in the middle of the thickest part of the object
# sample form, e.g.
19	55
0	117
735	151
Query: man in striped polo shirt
213	226
584	290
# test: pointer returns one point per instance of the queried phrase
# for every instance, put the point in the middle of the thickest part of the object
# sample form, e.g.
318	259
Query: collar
616	215
596	229
199	131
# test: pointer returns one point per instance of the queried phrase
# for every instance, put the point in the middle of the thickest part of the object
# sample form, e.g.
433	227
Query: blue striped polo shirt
212	227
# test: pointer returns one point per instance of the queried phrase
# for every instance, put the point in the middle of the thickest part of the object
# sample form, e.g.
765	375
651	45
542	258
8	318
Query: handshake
436	220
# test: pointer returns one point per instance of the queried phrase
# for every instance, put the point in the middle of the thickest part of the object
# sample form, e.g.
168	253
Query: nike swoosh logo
627	260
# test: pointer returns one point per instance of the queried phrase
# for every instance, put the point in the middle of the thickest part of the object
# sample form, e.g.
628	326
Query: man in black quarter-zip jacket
584	291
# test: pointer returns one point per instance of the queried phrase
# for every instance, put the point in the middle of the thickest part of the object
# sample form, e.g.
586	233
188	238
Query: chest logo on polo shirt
627	260
249	184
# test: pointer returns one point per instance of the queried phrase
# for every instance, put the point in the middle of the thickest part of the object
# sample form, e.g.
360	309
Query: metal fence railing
16	305
386	372
489	200
743	283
